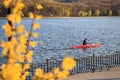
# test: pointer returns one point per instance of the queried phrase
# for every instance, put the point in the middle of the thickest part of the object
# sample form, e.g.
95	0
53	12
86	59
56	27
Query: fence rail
88	64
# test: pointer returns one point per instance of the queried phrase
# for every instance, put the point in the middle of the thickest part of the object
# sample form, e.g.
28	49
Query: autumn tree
119	12
89	13
110	13
97	12
82	13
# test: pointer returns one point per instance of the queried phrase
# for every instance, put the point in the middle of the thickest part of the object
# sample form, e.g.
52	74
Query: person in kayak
85	41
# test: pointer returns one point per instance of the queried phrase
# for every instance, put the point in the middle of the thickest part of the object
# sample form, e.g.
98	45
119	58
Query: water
60	33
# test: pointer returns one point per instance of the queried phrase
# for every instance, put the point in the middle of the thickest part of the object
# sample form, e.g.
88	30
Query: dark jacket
85	42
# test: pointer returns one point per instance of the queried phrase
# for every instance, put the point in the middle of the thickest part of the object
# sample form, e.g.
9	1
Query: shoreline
77	17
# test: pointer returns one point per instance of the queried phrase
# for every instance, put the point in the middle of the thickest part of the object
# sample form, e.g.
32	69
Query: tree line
75	9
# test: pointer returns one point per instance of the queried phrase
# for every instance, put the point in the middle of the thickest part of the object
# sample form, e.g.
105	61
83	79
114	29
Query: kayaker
85	41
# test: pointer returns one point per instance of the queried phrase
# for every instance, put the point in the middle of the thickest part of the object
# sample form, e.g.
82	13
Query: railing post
47	64
93	70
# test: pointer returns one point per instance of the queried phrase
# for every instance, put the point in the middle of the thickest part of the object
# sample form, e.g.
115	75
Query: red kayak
85	46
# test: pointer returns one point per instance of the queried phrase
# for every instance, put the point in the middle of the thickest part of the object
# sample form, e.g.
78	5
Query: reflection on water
58	34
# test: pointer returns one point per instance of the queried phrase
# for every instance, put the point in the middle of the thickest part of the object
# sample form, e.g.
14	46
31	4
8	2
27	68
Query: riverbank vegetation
69	8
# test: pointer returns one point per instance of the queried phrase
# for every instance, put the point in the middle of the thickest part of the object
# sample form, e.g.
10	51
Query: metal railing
88	64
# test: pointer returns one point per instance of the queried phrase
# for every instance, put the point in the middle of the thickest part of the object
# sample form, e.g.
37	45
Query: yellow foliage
51	78
8	30
50	75
39	6
67	66
62	74
15	10
38	17
4	52
21	13
14	41
32	43
18	18
7	46
11	71
56	70
36	26
20	29
29	59
19	5
31	15
23	39
17	49
29	54
35	35
25	75
39	72
11	60
26	33
20	57
11	17
21	48
26	66
7	3
46	76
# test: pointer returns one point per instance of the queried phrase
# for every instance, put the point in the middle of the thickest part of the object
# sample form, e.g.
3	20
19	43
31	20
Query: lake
57	34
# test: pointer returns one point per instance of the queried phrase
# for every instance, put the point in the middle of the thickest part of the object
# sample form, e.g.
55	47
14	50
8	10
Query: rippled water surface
60	33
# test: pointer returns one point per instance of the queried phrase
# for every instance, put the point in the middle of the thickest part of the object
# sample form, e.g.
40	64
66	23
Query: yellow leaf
63	74
38	72
50	74
11	60
14	41
51	79
19	5
31	15
35	35
29	59
36	26
20	29
38	17
26	66
67	66
15	10
21	48
21	13
11	17
23	39
39	6
26	73
7	3
32	44
26	33
18	18
20	57
56	70
46	76
4	52
8	30
29	54
12	72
